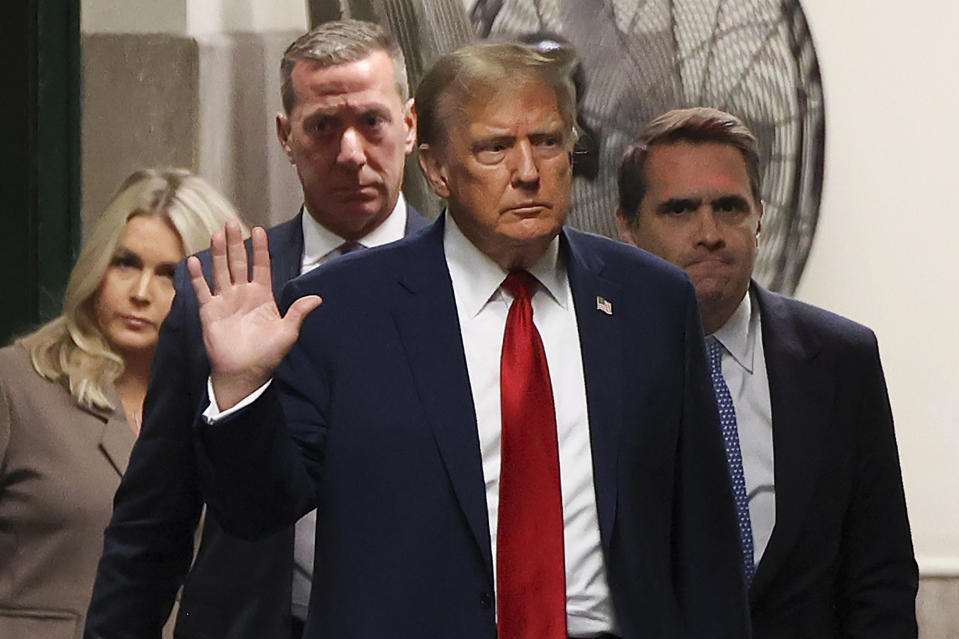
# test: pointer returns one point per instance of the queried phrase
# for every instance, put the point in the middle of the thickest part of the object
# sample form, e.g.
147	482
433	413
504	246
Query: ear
409	121
434	170
759	222
283	131
625	229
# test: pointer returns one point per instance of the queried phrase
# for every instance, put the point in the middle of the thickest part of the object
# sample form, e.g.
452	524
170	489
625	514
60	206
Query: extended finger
200	286
300	309
261	257
221	272
236	253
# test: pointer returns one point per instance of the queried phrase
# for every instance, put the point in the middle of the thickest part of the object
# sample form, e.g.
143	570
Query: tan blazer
59	467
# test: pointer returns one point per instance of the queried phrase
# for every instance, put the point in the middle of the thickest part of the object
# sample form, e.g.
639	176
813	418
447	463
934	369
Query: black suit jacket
370	418
840	561
235	589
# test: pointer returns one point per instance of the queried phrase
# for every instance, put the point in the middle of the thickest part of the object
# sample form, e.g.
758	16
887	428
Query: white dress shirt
744	369
320	244
482	306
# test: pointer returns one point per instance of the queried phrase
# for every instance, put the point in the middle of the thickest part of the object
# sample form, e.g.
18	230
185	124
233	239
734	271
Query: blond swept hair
481	69
71	348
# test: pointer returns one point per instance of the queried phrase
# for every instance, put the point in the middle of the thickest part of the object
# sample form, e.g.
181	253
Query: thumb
300	309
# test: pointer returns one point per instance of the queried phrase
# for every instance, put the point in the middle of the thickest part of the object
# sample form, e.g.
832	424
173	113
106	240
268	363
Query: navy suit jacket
235	589
840	561
370	419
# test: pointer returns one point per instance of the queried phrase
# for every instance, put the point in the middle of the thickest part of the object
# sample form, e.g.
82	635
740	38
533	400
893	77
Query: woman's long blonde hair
71	348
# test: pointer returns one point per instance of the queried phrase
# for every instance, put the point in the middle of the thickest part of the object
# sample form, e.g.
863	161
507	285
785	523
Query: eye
374	120
725	207
732	206
125	261
167	271
491	151
677	207
321	126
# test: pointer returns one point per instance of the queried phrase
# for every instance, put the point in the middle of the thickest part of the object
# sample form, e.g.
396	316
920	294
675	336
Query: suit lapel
116	438
800	395
426	319
600	339
117	441
286	251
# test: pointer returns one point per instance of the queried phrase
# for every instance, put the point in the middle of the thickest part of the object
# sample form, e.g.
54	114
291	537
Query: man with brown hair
505	424
347	127
805	415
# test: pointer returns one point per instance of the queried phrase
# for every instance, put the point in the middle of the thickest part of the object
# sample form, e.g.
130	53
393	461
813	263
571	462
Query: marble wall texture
206	103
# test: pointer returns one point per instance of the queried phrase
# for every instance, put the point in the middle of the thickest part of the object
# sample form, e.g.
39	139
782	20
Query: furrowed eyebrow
123	253
166	268
377	111
731	201
678	203
505	140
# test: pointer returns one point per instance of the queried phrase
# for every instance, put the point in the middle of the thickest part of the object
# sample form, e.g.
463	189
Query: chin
534	229
127	346
361	214
709	291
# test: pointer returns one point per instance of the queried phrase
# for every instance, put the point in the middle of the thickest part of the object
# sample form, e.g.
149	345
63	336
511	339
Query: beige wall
206	103
191	17
884	251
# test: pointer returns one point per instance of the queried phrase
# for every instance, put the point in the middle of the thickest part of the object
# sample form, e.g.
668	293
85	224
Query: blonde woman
71	396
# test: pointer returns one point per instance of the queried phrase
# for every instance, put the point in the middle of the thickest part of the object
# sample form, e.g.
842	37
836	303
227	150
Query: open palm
244	334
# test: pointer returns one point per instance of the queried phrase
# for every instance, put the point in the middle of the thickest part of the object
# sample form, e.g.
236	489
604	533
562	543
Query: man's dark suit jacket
380	434
235	589
839	562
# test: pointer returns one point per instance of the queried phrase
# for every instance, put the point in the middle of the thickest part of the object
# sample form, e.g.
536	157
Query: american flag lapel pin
603	304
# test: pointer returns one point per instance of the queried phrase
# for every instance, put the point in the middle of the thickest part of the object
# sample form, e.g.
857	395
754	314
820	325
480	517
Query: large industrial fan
753	58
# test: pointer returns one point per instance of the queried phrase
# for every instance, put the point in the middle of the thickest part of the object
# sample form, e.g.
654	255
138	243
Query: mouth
712	259
136	322
529	209
361	194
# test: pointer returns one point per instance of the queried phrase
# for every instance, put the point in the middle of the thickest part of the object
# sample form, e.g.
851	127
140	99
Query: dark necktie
349	247
734	454
530	567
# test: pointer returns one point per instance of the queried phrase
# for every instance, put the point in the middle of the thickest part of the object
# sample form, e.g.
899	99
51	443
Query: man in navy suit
825	536
405	406
347	127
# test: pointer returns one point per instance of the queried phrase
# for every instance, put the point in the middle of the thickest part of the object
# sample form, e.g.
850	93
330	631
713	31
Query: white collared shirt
744	369
320	244
482	306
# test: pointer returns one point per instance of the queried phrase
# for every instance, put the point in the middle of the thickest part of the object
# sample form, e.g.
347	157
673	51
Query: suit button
486	600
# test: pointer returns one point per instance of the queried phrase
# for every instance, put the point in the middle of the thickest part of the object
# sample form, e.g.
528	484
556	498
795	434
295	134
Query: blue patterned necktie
734	454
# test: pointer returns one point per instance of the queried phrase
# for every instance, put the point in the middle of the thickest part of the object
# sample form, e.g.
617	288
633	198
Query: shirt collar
477	278
319	242
738	335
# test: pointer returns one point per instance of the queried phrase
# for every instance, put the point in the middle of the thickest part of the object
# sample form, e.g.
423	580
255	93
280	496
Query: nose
140	289
351	149
710	235
525	169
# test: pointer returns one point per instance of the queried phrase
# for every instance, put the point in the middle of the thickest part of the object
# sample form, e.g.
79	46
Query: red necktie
530	568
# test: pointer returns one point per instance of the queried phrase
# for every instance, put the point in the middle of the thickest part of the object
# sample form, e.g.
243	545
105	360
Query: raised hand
244	334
